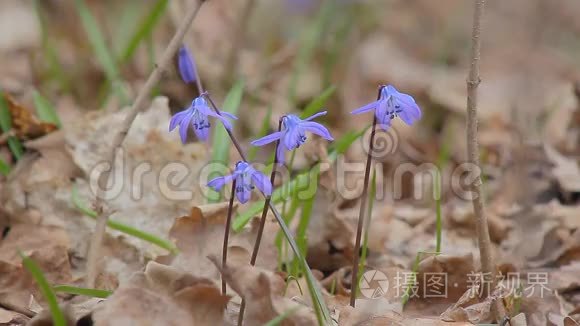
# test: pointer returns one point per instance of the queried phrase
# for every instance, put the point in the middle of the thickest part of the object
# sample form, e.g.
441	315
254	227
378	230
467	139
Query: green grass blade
95	293
102	53
148	237
56	70
253	150
318	103
368	219
280	318
4	168
311	39
45	110
58	318
305	215
5	125
144	30
221	141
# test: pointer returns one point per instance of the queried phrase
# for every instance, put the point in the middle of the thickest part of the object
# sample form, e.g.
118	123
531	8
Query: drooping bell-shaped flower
392	104
186	65
246	179
197	116
294	133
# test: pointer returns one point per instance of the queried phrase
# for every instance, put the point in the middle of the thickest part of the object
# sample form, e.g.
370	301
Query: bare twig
482	229
262	222
239	37
138	106
361	214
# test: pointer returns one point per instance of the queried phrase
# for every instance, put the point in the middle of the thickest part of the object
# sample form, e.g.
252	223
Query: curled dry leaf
200	234
263	292
457	270
162	295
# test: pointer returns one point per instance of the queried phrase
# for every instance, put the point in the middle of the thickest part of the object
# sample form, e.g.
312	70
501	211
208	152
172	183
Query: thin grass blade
124	228
4	168
144	30
102	53
95	293
280	318
318	103
58	318
6	125
45	110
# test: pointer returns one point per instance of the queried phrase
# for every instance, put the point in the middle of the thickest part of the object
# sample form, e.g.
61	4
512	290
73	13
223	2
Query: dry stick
227	234
361	213
262	222
138	105
481	227
239	36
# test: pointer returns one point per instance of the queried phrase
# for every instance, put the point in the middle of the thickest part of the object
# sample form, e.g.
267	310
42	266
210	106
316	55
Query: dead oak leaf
263	292
197	236
162	295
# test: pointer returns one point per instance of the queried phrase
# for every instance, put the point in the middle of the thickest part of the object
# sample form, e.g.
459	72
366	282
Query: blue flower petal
316	115
218	183
262	182
365	108
176	119
186	65
267	139
317	128
184	126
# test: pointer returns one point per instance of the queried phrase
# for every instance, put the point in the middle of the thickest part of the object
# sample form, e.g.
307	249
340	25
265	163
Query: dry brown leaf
10	318
263	292
47	246
457	270
44	318
163	295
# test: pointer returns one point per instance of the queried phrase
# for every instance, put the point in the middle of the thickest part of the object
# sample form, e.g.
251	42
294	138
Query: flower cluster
293	130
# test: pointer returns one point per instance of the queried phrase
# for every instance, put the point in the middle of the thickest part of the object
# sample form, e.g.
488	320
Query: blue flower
186	65
293	134
246	178
392	104
197	115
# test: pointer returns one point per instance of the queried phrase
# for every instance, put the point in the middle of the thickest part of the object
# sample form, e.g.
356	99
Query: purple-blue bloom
186	65
197	116
293	134
246	178
392	104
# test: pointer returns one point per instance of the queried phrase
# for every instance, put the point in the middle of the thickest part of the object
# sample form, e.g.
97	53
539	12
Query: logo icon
373	284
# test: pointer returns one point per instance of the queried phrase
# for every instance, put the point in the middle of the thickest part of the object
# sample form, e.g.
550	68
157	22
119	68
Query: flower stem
361	214
322	313
262	222
227	234
138	106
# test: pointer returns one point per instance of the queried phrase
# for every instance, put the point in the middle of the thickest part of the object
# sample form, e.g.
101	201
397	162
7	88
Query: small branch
262	222
361	214
239	37
138	106
482	229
